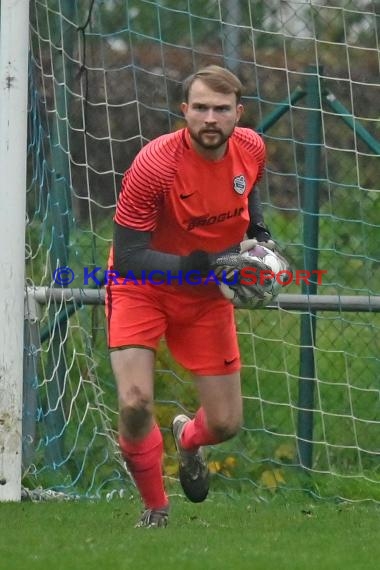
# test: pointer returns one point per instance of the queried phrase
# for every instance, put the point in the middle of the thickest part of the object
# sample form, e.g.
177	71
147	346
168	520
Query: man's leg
139	436
220	415
218	419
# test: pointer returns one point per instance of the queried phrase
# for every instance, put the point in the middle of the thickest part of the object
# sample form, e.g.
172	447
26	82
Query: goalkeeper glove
226	264
229	260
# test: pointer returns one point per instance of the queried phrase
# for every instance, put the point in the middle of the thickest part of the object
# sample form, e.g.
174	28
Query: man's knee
225	429
136	415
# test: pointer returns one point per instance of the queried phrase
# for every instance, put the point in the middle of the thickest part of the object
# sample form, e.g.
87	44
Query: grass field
222	533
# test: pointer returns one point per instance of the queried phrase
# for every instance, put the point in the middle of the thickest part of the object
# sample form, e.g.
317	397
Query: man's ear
240	111
184	107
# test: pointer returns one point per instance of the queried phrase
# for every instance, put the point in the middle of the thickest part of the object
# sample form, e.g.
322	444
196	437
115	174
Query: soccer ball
274	261
257	290
265	255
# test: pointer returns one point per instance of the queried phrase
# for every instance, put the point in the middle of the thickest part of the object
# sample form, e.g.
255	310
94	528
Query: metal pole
77	298
281	109
14	39
310	237
231	35
347	117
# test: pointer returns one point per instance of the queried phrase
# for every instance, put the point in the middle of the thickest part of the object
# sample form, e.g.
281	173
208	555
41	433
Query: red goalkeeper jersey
187	202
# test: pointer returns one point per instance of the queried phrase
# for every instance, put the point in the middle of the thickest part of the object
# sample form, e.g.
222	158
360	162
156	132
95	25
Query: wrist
261	232
196	261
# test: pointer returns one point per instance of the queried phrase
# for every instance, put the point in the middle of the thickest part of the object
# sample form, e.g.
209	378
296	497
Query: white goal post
13	128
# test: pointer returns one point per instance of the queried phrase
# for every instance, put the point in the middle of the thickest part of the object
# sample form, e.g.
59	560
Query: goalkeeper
187	196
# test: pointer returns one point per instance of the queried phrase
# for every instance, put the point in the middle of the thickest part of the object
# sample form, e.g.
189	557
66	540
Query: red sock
196	432
144	460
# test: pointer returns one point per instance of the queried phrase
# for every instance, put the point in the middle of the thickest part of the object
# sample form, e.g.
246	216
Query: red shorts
199	328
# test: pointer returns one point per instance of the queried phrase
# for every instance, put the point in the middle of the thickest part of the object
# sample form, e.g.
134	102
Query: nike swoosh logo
184	196
228	362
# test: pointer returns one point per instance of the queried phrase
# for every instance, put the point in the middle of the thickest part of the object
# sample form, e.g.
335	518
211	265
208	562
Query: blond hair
217	79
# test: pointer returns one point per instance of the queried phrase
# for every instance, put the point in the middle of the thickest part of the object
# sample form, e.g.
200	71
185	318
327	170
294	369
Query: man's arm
257	228
131	252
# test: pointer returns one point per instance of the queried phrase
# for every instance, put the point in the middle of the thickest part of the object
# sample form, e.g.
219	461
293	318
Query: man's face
211	118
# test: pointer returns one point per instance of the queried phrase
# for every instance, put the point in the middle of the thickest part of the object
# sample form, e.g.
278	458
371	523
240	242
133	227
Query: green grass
222	533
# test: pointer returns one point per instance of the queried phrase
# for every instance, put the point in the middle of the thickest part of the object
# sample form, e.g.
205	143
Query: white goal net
104	79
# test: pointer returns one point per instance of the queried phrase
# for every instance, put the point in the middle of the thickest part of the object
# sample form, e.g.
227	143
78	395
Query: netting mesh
105	78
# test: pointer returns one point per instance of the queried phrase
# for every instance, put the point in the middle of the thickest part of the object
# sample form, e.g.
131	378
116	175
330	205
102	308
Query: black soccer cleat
193	470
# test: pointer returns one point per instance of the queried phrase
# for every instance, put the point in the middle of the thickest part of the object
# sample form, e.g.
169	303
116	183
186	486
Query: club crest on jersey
239	184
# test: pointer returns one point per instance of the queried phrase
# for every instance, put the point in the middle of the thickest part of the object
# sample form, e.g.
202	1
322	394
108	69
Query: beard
210	139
